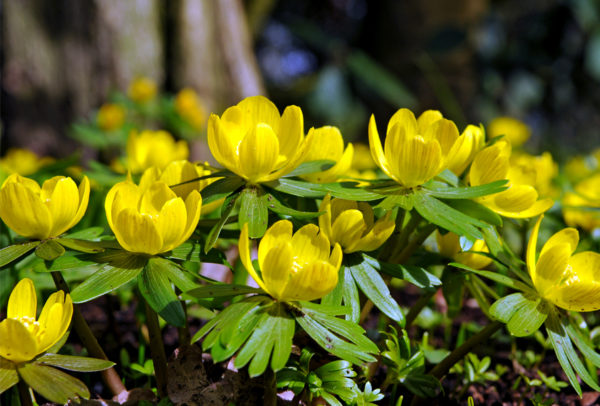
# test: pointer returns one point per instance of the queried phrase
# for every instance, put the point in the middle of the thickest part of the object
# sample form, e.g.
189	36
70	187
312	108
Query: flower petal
312	282
57	314
62	199
325	218
17	344
223	139
516	198
426	119
376	148
153	199
24	212
244	248
406	120
22	301
291	131
568	236
335	259
552	266
137	232
379	234
532	248
580	292
348	228
84	197
277	269
259	153
193	209
171	223
490	164
120	196
445	132
278	233
309	245
259	109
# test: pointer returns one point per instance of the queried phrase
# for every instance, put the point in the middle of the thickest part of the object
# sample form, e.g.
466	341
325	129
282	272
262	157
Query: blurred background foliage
340	60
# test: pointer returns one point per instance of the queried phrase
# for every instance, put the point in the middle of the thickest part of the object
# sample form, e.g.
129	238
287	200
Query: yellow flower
153	148
22	337
45	212
514	131
520	200
110	117
362	159
580	208
460	249
353	226
539	171
175	174
327	143
152	219
471	141
415	150
569	281
252	140
293	267
142	90
190	108
580	167
22	161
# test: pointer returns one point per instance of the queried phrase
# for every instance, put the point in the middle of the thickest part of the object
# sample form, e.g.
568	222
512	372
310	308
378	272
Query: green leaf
311	167
416	275
422	385
296	188
446	217
254	211
8	375
180	277
16	251
469	192
528	318
449	177
87	234
71	262
49	250
504	308
573	357
75	363
54	385
90	247
221	188
404	201
291	379
583	344
346	292
192	251
156	288
226	209
258	348
496	277
473	209
235	333
350	191
277	207
374	287
120	267
222	290
558	338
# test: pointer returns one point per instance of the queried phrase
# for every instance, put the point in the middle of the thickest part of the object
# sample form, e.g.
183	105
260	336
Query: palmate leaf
254	211
8	375
49	250
90	247
523	314
583	344
416	275
350	191
51	383
473	209
156	289
16	251
345	292
221	188
277	207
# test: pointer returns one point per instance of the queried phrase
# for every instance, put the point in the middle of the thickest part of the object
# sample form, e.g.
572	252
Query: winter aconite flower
110	117
470	142
521	199
254	141
153	148
22	161
580	207
353	226
42	212
514	131
416	150
142	90
462	250
569	281
297	266
327	143
22	335
189	106
153	219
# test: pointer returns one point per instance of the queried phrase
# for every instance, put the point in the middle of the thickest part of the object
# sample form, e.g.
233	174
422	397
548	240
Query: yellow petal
348	228
535	209
445	132
84	197
309	245
55	319
335	259
278	233
338	206
193	209
325	218
427	118
375	238
178	172
291	131
327	143
23	300
490	164
137	232
580	292
406	120
552	267
155	198
17	344
24	212
376	148
367	212
448	244
532	248
568	236
244	248
220	144
62	199
516	198
171	223
150	176
126	194
261	110
259	152
277	269
28	183
312	282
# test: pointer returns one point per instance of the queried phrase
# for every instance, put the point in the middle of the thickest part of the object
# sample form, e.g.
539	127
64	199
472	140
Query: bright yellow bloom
142	90
153	148
581	208
353	226
415	150
252	140
45	212
293	267
362	159
151	220
461	250
514	131
327	143
471	141
520	200
579	167
178	172
539	171
22	161
189	106
110	117
569	281
22	335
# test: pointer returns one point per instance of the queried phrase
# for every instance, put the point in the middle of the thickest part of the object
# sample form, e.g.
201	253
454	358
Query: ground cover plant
437	264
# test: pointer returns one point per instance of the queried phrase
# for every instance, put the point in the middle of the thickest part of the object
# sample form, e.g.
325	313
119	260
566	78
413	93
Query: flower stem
157	349
24	394
270	397
413	245
110	376
417	307
402	239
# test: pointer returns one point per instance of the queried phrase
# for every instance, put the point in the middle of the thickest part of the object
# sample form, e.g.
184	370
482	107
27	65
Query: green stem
110	376
270	397
157	349
184	332
417	307
444	366
24	394
413	245
402	239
